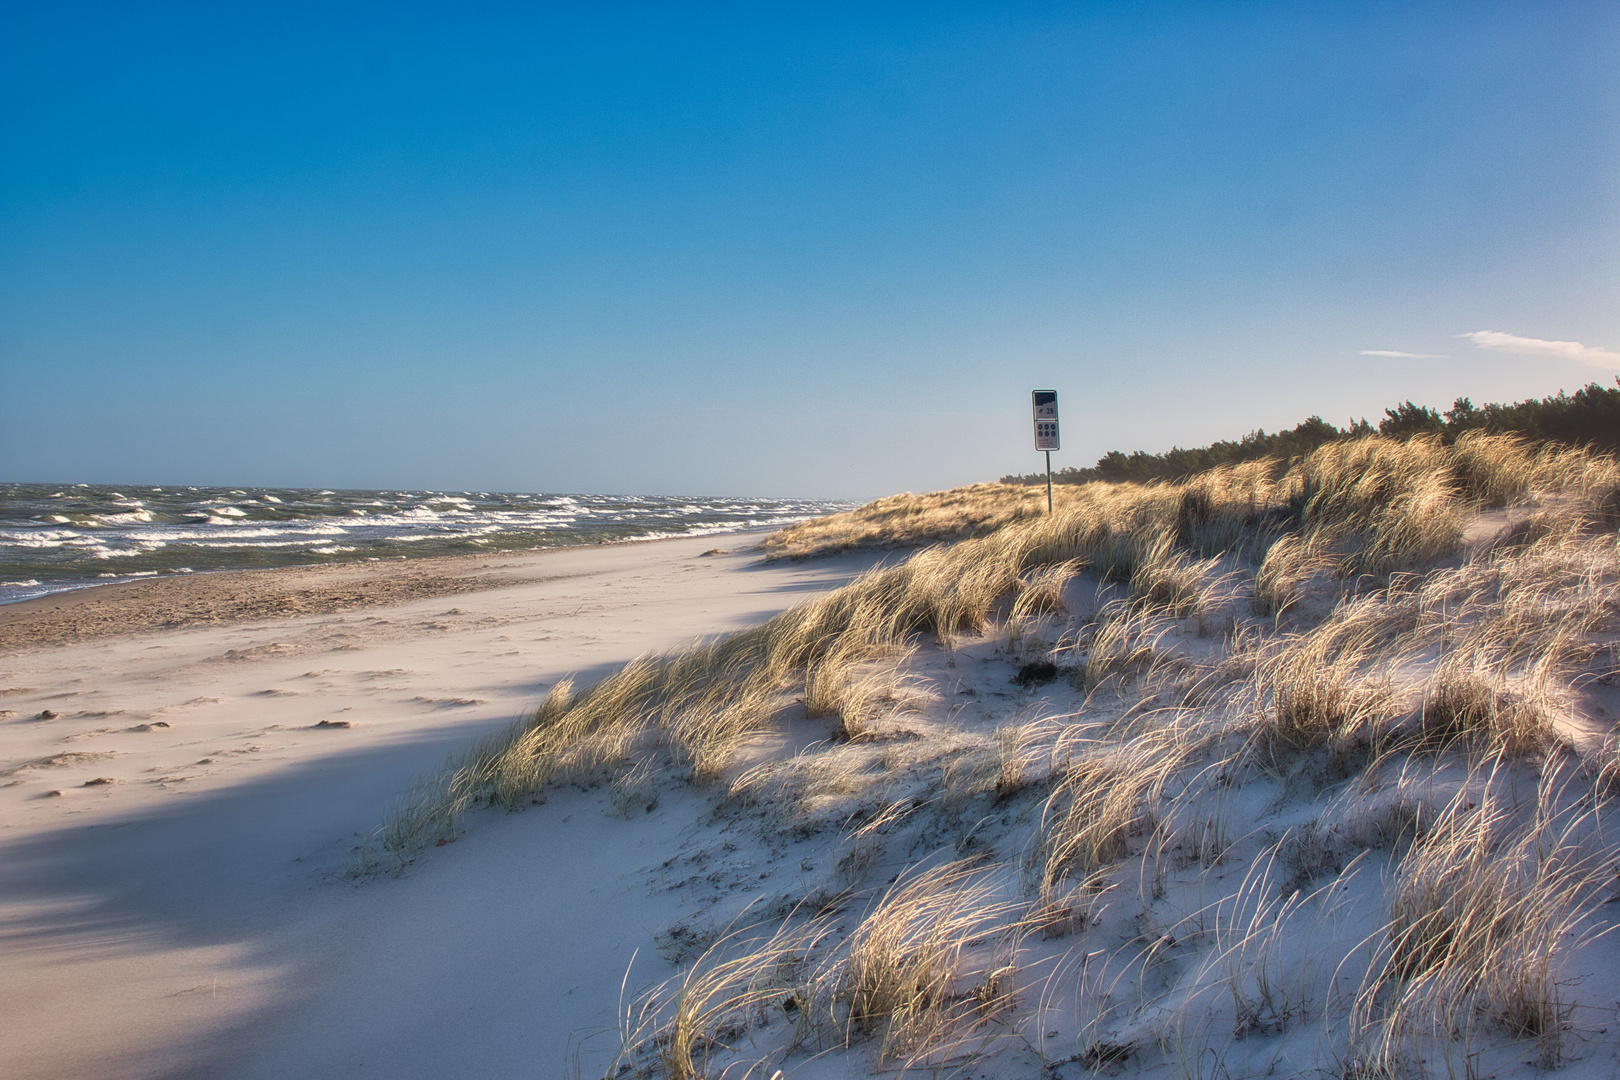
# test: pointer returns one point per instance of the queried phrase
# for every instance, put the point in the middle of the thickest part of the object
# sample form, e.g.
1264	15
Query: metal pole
1049	483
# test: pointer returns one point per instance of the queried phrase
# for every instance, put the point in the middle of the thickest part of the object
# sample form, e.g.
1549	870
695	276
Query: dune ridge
1305	770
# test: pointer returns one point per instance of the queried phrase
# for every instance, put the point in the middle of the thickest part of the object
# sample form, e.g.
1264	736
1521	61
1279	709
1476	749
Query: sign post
1046	433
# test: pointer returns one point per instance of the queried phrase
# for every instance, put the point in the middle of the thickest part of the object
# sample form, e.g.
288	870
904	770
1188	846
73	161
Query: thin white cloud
1396	354
1529	346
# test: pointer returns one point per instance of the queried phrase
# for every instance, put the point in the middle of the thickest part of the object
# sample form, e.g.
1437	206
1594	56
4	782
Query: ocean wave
57	536
48	540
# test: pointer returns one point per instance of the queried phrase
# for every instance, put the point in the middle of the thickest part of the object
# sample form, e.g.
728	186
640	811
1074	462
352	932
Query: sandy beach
1000	809
188	765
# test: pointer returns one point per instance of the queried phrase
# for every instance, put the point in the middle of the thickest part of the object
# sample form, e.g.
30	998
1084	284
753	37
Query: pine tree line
1588	417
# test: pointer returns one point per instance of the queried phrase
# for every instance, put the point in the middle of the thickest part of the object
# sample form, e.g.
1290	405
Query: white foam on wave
43	538
268	540
213	543
235	532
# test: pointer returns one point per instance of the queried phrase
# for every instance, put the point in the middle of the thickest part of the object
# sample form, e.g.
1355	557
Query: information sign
1046	420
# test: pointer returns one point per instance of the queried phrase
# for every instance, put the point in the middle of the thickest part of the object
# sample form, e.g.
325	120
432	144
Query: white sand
191	918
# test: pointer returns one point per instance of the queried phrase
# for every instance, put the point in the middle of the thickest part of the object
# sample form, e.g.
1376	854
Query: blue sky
769	250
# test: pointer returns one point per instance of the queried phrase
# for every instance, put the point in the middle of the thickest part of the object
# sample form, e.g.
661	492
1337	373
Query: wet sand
225	597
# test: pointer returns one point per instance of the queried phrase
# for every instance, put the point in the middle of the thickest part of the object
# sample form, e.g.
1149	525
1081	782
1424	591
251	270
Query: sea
58	537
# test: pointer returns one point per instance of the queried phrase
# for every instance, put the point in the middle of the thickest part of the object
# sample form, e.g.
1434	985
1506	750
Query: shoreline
54	541
222	597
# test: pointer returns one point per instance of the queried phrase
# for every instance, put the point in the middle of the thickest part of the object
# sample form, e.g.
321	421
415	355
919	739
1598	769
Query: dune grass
1482	905
1263	637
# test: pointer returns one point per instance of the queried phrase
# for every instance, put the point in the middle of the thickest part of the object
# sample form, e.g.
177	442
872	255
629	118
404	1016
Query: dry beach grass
907	520
1289	768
